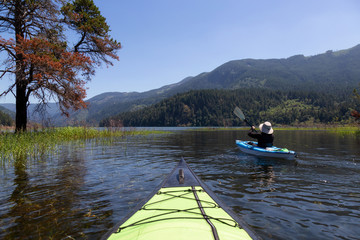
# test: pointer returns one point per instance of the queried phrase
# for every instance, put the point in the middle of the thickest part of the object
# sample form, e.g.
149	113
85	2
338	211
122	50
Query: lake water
84	189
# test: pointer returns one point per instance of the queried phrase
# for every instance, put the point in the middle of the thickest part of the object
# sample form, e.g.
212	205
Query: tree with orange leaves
45	63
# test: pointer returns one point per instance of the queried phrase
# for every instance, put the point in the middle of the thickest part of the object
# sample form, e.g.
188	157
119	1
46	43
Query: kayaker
266	137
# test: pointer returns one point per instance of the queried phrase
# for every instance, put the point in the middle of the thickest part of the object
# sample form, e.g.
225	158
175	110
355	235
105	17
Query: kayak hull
182	208
250	147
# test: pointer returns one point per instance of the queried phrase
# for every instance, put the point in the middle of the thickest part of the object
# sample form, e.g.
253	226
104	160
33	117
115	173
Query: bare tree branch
3	72
8	90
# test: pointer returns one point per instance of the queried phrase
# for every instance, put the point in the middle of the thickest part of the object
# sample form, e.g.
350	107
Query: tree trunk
21	108
20	78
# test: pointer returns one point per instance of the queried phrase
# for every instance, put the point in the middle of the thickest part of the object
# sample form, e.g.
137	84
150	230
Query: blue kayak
251	147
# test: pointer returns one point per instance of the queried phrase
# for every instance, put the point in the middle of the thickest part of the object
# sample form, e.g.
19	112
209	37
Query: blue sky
165	41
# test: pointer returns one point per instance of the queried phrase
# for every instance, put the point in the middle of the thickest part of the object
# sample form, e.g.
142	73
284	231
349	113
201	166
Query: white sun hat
266	128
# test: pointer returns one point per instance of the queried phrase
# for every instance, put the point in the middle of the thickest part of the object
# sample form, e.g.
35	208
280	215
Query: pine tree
45	63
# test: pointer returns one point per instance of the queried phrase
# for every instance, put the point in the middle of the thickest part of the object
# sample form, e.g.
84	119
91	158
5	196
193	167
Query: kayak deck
175	212
251	147
182	208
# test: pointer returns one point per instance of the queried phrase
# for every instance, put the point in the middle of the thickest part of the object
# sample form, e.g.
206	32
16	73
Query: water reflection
265	176
49	202
20	203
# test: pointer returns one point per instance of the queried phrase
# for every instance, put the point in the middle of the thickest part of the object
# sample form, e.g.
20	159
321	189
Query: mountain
36	113
6	117
111	103
337	72
215	108
329	70
8	111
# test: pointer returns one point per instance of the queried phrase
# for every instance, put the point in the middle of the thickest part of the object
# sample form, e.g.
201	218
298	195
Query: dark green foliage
215	108
356	112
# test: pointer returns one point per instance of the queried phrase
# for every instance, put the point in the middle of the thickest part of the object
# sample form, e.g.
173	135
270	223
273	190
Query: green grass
346	130
34	144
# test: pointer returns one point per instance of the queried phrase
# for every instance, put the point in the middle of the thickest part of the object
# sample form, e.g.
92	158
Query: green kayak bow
182	207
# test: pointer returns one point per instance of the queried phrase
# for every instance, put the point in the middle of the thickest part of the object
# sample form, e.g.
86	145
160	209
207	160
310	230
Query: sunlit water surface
84	189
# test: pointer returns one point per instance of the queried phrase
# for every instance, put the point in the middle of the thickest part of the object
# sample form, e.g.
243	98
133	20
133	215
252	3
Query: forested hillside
6	117
332	75
215	108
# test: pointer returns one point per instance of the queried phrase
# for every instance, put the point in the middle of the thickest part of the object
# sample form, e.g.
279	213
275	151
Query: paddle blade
239	113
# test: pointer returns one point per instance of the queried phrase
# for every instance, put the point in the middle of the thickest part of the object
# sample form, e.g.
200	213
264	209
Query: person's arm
252	133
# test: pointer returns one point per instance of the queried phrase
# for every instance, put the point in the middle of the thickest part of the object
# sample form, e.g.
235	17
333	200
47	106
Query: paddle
240	114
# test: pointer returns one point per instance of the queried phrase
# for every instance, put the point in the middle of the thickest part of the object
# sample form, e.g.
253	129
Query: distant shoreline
330	127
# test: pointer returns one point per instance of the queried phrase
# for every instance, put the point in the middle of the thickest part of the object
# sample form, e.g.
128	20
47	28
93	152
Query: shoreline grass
33	144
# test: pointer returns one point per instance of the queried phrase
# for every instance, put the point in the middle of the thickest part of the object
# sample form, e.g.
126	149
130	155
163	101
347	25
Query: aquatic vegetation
346	130
34	144
330	128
